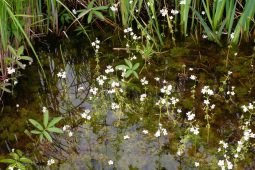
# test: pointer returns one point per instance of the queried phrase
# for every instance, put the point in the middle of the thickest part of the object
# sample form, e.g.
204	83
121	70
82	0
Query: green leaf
20	166
36	124
121	67
99	15
20	50
100	8
27	58
26	160
19	152
89	17
128	62
128	73
83	13
20	64
136	66
41	137
35	132
14	155
47	136
12	50
8	161
54	121
90	5
135	74
45	118
54	129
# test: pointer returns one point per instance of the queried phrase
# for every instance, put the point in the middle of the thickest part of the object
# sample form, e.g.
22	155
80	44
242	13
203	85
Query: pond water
133	124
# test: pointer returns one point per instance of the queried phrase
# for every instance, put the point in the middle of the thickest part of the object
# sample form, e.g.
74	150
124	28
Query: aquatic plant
17	160
43	131
129	69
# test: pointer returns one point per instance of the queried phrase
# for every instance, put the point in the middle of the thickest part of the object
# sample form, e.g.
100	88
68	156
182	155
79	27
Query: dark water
101	139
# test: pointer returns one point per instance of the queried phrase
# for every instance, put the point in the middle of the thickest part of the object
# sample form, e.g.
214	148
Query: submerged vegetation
144	87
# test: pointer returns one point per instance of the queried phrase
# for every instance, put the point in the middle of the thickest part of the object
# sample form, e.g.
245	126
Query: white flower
196	164
182	2
66	127
109	69
81	88
114	8
157	78
85	115
164	131
204	36
194	130
157	134
10	168
190	115
50	162
179	152
145	132
93	44
193	77
115	106
203	12
17	105
207	102
62	74
144	81
174	12
232	35
229	164
44	109
10	70
74	11
126	137
142	97
110	162
164	12
245	109
115	84
70	134
93	90
221	163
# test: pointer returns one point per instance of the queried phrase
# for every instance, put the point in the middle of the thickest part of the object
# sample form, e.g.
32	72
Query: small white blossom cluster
166	89
44	109
144	81
62	74
50	162
85	114
160	130
193	77
114	7
93	91
10	70
115	106
126	137
231	92
190	115
164	12
142	97
96	44
67	128
109	69
223	164
110	162
207	90
194	130
249	108
174	12
131	33
101	79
